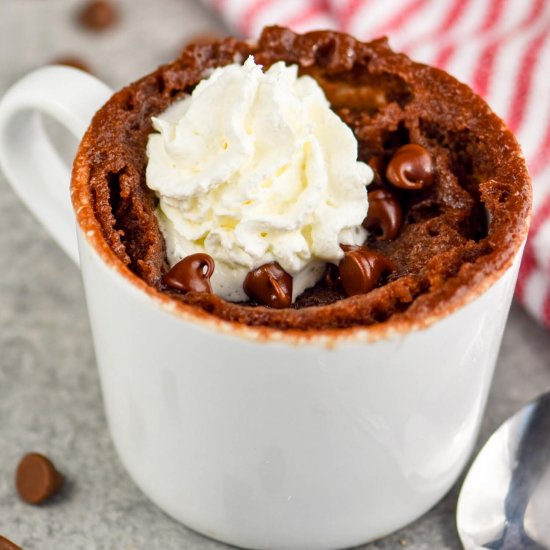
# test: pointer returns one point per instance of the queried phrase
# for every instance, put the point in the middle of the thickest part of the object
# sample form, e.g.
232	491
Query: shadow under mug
262	441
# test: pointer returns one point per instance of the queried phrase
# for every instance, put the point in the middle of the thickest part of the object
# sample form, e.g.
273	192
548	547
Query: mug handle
28	157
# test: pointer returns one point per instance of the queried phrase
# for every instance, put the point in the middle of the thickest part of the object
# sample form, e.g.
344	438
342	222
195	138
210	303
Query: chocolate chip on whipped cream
270	285
191	274
254	168
361	269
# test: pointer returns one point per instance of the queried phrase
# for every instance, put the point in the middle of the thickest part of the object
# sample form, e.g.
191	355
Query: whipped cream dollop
254	168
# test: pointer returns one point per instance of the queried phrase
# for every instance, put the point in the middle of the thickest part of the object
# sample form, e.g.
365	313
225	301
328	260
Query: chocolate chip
384	217
6	544
411	167
270	285
98	15
74	62
37	479
191	274
361	269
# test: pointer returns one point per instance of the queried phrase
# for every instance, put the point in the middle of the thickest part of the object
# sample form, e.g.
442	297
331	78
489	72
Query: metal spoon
504	503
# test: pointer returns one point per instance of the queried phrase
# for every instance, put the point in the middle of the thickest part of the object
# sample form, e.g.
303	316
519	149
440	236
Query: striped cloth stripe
500	47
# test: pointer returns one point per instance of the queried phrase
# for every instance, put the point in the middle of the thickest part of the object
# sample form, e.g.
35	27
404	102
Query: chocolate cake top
457	234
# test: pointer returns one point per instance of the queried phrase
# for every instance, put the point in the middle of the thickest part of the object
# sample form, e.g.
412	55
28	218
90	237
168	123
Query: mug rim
328	337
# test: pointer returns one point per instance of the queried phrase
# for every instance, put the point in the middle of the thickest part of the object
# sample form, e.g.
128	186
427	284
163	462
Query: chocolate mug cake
448	197
298	256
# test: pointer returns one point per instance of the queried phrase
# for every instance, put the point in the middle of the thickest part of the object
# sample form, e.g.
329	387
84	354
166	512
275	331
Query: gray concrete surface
50	399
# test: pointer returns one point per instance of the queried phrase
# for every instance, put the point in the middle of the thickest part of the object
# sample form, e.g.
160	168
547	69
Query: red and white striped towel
500	47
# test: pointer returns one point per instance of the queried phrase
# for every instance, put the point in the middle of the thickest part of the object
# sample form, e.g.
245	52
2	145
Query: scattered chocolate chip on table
37	479
98	15
6	544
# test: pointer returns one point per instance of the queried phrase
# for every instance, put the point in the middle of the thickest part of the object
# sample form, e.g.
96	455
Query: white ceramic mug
259	438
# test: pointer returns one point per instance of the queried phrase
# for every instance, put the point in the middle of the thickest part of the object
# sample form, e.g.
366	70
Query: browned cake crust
446	244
